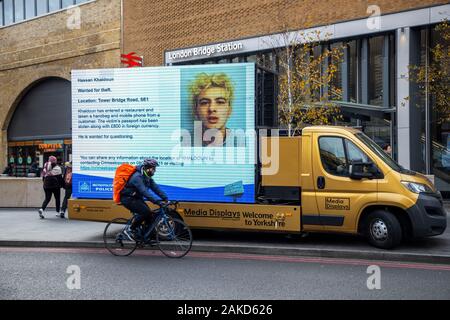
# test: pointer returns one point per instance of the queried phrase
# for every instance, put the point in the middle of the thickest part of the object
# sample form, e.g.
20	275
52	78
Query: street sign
132	60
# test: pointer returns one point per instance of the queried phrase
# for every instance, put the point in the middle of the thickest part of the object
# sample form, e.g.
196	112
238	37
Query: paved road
24	225
38	273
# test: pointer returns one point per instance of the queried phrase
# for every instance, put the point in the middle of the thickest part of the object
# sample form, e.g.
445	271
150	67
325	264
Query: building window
1	13
267	60
54	5
430	125
222	61
352	71
251	58
336	81
8	10
418	105
19	11
376	70
440	116
68	3
30	9
392	72
12	11
42	7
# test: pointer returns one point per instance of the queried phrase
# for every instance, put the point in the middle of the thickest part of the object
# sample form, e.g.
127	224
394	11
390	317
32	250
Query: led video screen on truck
197	121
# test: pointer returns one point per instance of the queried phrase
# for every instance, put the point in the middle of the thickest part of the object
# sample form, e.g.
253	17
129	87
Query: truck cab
348	184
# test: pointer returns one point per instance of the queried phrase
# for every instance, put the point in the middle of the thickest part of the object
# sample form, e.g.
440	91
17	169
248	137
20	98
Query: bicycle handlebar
168	203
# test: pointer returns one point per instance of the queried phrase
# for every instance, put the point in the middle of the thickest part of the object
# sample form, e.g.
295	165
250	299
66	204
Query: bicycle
172	235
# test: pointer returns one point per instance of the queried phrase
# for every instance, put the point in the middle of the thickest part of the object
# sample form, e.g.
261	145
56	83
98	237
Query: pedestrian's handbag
68	177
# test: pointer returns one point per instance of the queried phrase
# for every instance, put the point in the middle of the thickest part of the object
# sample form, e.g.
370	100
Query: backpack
121	177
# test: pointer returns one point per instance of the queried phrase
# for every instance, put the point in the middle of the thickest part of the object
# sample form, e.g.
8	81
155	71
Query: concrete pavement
22	227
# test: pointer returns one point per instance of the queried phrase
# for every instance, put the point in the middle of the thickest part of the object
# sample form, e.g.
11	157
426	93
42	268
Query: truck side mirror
357	172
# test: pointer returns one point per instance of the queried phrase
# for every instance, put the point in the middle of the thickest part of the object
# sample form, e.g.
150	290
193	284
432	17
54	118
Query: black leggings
66	198
141	209
48	196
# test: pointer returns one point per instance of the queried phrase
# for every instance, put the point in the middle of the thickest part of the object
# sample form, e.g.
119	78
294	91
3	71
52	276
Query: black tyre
383	230
174	238
114	239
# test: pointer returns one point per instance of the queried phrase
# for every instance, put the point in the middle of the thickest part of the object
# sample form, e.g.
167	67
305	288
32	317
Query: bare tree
308	69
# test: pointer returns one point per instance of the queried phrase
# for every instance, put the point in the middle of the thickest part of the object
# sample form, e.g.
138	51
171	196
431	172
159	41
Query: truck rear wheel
383	230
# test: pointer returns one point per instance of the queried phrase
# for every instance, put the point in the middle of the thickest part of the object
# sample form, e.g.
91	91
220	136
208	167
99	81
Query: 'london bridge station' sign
206	50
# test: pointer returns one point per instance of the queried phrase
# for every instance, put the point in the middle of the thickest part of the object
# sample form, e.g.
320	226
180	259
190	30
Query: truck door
340	198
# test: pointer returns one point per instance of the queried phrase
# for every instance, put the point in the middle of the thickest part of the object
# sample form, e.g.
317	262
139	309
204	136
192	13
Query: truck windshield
380	152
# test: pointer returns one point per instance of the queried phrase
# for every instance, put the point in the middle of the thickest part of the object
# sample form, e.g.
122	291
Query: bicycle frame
160	215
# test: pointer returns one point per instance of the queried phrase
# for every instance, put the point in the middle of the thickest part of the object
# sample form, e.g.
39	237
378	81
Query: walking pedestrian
52	178
67	187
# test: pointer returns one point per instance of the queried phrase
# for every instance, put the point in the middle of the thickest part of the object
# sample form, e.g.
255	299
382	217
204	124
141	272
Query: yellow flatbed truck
328	179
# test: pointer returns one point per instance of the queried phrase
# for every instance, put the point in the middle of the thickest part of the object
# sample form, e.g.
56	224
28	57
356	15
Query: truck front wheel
383	230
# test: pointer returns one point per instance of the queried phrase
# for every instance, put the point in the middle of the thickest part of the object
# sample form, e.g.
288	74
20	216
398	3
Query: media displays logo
337	203
84	186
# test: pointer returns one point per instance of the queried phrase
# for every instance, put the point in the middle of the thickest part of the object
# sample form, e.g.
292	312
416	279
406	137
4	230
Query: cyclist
136	190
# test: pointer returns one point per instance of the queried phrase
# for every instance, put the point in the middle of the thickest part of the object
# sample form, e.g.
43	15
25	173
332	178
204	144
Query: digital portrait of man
212	97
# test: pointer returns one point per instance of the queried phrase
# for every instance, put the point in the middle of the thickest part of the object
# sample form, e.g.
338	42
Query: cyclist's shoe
130	234
41	214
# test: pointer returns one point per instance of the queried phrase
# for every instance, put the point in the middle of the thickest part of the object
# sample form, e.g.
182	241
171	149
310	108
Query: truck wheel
383	230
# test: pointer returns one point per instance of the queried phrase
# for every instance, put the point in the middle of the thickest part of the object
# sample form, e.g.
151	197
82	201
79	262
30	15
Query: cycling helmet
150	163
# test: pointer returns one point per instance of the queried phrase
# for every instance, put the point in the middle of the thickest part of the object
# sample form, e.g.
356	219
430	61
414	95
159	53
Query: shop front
27	158
39	128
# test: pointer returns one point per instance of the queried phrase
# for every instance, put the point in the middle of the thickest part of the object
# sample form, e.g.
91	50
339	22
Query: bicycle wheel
115	241
174	238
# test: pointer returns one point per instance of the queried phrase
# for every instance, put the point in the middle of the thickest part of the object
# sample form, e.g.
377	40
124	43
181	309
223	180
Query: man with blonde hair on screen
212	97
